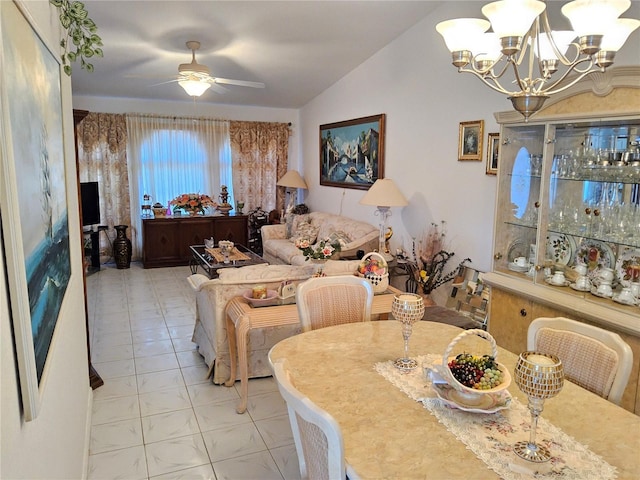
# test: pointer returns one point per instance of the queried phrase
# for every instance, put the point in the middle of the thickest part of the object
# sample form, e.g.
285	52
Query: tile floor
157	416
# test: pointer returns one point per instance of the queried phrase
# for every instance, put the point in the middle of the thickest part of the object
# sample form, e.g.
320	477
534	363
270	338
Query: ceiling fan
196	78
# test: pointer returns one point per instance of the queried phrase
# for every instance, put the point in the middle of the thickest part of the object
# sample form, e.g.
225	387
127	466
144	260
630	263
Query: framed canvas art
493	149
33	196
470	140
352	152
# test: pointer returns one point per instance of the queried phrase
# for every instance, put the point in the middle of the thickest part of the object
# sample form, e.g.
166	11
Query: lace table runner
492	436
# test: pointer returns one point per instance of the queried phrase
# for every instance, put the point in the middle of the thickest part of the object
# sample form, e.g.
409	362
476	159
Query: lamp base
532	452
405	364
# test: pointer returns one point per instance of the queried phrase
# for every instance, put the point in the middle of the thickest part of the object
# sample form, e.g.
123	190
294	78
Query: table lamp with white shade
292	181
384	194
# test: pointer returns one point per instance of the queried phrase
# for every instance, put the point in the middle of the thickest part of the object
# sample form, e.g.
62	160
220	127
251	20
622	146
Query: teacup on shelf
583	283
605	289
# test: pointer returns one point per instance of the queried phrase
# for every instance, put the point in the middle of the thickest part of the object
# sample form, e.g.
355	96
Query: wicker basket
451	380
379	280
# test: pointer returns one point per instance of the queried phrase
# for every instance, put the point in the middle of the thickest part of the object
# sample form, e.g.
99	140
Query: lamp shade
384	193
195	88
614	39
512	18
562	39
461	34
292	179
594	18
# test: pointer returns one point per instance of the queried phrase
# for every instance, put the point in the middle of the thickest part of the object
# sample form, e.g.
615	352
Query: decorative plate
517	248
487	403
596	255
272	298
560	248
628	256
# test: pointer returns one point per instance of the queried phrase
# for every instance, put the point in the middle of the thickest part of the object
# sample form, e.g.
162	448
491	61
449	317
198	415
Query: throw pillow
292	222
339	237
305	231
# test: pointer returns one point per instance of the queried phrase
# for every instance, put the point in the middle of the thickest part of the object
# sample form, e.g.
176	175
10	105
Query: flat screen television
90	203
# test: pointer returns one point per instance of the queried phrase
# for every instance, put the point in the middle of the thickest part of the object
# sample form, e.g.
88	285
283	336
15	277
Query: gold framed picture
493	149
470	140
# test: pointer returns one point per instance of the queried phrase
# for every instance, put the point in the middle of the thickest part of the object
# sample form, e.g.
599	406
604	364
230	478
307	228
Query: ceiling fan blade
164	83
219	88
242	83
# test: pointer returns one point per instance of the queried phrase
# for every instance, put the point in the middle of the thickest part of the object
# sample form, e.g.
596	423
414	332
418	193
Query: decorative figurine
224	207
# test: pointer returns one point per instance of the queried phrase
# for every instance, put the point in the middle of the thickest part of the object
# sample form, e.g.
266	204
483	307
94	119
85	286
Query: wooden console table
242	317
166	241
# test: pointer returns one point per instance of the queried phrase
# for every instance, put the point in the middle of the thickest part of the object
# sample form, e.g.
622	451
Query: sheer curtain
169	156
260	158
102	158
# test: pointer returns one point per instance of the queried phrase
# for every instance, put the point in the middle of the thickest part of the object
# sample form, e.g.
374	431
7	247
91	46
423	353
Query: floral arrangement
432	258
322	250
192	202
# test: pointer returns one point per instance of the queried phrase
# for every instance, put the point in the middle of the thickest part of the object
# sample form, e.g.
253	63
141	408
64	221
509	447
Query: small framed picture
470	140
493	148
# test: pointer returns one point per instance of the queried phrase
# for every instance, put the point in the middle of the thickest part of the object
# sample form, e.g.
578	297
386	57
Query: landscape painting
37	231
352	152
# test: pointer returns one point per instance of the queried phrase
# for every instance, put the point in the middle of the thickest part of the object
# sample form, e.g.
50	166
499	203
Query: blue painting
352	152
34	111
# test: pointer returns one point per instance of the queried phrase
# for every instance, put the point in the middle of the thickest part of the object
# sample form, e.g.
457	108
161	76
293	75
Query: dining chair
327	301
592	357
316	434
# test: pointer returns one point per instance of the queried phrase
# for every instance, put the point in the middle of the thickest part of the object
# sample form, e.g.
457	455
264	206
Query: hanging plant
82	41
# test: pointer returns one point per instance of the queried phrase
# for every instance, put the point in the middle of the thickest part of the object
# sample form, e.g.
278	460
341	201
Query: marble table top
388	435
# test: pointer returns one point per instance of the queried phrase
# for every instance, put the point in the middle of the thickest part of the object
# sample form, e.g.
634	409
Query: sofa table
242	317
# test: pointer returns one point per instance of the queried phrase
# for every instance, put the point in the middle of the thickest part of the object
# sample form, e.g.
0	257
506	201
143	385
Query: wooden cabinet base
166	241
509	319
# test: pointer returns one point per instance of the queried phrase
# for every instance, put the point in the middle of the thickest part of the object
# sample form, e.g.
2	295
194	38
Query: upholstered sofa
210	332
278	240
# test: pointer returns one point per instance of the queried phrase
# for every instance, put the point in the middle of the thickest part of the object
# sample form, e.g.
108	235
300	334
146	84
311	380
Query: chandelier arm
523	86
497	87
582	74
547	30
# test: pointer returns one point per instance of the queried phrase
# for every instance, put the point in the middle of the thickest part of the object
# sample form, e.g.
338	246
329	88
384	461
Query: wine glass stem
406	333
535	406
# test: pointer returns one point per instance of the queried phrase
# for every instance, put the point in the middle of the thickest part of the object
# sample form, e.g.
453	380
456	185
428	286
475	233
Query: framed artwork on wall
493	148
352	152
33	197
470	140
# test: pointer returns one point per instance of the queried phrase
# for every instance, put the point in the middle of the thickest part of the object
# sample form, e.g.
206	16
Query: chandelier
541	59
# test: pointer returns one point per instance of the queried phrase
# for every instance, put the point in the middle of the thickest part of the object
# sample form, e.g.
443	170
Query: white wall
413	82
55	444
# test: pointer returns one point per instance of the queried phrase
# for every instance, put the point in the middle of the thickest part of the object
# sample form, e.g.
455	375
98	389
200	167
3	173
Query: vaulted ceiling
297	48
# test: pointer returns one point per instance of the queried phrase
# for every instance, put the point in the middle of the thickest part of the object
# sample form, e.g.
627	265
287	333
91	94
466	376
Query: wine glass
407	308
539	376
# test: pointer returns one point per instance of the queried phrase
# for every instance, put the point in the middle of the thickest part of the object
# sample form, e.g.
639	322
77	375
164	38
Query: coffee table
201	258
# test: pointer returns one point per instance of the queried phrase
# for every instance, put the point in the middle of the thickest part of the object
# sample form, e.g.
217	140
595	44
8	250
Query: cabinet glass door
594	205
520	173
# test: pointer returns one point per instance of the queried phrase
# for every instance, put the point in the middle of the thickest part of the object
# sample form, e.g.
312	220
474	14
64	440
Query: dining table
390	435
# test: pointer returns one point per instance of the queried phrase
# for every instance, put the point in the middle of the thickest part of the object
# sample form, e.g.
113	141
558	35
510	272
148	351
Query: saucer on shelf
594	291
575	287
551	282
617	299
487	403
517	268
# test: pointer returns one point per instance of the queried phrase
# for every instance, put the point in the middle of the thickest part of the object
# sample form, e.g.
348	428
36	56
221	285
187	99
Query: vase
122	247
427	300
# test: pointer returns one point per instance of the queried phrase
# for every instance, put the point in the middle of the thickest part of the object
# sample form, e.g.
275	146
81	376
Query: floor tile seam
170	438
120	421
164	389
173	471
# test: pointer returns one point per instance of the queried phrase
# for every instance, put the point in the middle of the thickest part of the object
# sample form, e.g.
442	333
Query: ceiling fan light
614	39
461	34
512	18
195	88
590	18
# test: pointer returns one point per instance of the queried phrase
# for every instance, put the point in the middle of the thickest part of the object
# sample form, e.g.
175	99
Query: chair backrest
592	357
326	301
316	434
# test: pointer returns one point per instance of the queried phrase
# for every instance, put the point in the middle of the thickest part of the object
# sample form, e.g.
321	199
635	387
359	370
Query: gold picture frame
470	140
493	150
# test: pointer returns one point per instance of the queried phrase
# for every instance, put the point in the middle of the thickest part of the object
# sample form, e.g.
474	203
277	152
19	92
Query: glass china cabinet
568	195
